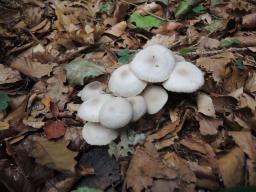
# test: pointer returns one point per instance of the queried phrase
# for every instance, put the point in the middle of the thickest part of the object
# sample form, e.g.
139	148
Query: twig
152	14
203	52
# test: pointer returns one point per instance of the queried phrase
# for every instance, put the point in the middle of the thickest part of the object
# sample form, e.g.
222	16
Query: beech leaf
80	69
53	154
144	21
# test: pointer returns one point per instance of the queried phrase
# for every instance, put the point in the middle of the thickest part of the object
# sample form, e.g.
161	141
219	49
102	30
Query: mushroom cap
90	109
124	83
139	107
92	89
96	134
116	113
153	64
186	78
155	97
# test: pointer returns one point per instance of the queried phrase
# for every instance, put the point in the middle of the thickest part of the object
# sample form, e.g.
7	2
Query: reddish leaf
54	129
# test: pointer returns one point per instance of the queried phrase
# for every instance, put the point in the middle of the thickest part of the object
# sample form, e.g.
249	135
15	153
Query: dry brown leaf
4	125
251	166
251	82
167	129
192	35
56	89
224	104
54	130
27	63
249	21
205	105
8	75
209	43
164	40
247	39
216	64
231	167
53	154
199	146
208	126
146	166
33	122
244	140
118	29
168	28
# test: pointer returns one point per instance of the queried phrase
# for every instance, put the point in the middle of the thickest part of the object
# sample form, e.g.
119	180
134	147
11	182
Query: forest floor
203	141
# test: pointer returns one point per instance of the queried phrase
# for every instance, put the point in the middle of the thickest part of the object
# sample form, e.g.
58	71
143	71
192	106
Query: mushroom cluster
132	93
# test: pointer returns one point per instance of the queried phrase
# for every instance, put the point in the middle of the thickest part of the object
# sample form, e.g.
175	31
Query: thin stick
214	52
152	14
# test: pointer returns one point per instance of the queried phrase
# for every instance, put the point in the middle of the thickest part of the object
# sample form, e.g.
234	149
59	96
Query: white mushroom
186	78
116	113
124	83
90	109
96	134
155	97
153	64
139	107
92	89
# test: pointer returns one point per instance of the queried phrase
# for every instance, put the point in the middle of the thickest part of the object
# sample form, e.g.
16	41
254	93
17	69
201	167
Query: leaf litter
50	49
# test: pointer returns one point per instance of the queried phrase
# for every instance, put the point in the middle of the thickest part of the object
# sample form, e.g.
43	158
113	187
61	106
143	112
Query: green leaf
4	101
184	7
216	2
104	8
144	21
239	64
80	69
87	189
124	56
186	50
214	26
199	8
229	42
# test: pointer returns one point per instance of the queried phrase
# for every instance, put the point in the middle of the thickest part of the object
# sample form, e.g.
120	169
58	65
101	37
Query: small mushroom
155	97
139	107
185	78
116	113
124	83
153	64
96	134
90	109
92	89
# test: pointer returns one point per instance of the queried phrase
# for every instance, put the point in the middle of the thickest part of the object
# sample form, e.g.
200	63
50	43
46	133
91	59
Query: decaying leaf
54	129
209	126
53	154
146	166
80	69
8	75
205	105
231	167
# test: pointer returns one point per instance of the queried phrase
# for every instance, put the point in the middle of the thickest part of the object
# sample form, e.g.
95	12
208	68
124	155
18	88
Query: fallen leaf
145	166
162	40
27	63
244	140
249	21
4	101
87	189
8	75
251	166
4	125
168	28
209	43
216	64
224	104
231	167
54	129
205	105
144	21
118	29
106	169
33	122
168	129
80	69
53	154
208	126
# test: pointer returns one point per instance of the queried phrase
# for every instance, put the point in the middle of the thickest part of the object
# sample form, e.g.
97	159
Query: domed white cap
116	113
139	107
155	97
124	83
96	134
186	78
90	109
92	89
153	64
